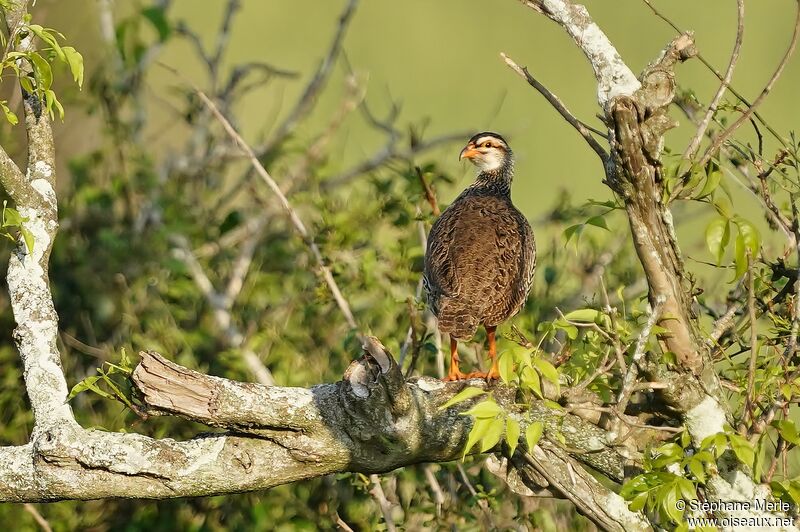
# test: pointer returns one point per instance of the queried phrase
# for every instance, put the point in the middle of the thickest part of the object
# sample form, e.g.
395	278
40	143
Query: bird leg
493	373
454	374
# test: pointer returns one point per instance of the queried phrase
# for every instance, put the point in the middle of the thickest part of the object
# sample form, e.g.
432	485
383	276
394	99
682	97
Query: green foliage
11	219
118	388
34	67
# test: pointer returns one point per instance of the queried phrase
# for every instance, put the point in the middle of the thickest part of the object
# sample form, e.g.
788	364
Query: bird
480	257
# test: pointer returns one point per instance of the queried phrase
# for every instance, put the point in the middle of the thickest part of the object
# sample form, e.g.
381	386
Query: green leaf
533	433
484	409
41	71
742	448
740	257
697	469
27	236
598	221
787	430
479	428
668	496
46	34
11	117
547	370
749	235
531	380
718	234
11	217
157	17
75	62
52	102
711	184
512	435
467	393
584	315
82	386
571	231
492	436
638	502
505	365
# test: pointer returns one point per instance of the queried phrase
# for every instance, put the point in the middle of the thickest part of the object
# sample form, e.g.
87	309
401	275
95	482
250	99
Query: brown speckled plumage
481	254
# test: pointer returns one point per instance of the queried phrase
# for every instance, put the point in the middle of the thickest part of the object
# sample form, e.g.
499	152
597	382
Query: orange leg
454	374
494	373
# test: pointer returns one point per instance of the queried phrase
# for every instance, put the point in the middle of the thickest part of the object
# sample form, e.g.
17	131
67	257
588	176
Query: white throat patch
489	162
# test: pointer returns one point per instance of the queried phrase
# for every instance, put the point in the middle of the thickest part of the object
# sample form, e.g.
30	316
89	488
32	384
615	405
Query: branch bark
636	113
372	421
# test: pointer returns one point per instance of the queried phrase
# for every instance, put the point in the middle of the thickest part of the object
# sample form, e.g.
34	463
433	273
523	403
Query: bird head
488	151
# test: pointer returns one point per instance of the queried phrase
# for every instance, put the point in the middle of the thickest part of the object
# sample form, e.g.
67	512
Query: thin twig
241	265
751	310
694	145
383	503
42	522
389	153
481	502
430	195
629	382
292	214
724	323
716	73
559	106
341	524
722	137
438	494
306	102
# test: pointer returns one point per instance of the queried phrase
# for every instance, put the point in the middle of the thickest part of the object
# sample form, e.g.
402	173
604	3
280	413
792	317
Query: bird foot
488	376
456	375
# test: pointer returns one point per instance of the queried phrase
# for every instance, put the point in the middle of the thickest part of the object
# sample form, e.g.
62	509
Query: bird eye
487	144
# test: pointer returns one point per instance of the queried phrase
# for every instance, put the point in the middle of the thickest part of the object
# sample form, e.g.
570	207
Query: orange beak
468	152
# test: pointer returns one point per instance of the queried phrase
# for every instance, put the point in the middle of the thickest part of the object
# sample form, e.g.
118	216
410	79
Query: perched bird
481	254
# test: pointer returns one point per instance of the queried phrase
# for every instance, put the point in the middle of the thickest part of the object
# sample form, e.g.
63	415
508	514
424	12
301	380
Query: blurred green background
118	284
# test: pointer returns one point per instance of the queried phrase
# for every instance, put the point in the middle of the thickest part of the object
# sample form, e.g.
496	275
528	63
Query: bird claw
487	376
456	376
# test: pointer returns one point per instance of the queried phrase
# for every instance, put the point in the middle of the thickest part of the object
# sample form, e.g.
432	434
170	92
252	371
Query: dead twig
751	311
694	145
294	218
307	100
629	383
722	137
559	106
41	521
383	503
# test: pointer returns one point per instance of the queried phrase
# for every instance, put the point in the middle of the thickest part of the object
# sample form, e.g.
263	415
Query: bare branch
559	106
287	207
751	311
306	102
391	153
41	521
716	73
27	277
221	304
629	383
694	144
383	503
722	137
614	78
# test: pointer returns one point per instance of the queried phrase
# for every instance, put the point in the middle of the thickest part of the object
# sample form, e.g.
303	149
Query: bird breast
480	259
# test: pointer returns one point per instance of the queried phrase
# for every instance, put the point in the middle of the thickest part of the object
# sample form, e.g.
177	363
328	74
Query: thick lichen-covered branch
372	421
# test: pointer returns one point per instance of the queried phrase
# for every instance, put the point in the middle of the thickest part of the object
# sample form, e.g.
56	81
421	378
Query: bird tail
455	319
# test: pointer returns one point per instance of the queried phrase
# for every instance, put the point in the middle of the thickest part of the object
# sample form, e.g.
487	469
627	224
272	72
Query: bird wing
470	247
